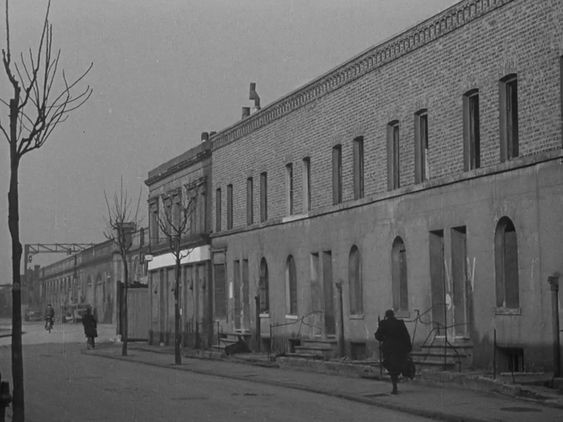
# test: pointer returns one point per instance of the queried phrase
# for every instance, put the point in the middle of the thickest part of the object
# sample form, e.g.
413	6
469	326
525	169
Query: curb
399	406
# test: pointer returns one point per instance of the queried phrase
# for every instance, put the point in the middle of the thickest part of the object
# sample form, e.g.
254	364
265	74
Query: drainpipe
553	281
341	346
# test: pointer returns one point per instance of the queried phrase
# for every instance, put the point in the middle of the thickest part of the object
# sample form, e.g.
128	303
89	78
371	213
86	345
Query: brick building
182	183
422	175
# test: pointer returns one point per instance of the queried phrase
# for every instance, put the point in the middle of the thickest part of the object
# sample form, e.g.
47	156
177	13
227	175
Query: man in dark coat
396	345
90	328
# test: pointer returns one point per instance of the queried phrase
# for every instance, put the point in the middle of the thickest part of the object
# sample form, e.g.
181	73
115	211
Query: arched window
506	265
291	285
355	280
263	288
399	275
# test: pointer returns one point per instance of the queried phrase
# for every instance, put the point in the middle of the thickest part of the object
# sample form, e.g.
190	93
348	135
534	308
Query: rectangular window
229	207
306	184
220	293
289	187
218	210
471	135
263	196
249	201
337	174
153	222
393	157
358	146
421	146
508	118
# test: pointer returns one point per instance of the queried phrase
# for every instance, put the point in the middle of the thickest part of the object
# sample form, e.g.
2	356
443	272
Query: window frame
218	210
421	141
289	186
471	130
263	196
249	201
509	134
393	155
337	174
358	166
306	184
229	206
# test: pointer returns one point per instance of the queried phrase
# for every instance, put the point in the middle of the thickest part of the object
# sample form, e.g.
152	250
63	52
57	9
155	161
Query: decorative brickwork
430	30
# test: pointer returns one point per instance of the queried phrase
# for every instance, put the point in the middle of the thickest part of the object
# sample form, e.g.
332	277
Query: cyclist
49	317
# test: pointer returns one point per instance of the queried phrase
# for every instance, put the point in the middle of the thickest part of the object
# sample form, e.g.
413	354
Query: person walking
395	346
90	328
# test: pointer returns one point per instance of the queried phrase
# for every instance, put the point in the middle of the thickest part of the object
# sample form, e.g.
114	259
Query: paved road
63	384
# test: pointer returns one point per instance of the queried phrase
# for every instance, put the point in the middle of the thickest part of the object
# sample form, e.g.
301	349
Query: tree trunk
177	329
14	226
124	317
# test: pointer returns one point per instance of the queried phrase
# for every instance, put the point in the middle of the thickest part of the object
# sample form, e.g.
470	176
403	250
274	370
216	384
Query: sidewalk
444	402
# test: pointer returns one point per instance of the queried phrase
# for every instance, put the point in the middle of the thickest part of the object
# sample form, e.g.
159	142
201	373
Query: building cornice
412	39
189	158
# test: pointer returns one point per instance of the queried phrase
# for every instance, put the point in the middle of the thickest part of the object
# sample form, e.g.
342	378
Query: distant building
93	277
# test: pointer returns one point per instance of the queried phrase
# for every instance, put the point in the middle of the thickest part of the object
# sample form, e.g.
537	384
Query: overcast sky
165	71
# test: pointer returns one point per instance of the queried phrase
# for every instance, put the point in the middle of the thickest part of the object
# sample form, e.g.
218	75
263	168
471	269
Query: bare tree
123	218
41	98
175	221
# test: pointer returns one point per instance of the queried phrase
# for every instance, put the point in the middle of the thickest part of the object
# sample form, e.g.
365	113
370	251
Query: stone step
440	352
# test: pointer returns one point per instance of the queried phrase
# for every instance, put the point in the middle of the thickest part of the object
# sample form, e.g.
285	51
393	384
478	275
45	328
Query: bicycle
49	324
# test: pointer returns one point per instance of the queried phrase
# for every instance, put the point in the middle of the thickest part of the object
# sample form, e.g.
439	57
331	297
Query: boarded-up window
220	297
355	280
506	265
399	275
291	285
263	286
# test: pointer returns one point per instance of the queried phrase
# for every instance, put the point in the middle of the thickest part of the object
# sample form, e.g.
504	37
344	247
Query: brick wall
406	75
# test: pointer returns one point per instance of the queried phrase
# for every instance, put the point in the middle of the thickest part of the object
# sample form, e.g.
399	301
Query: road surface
63	384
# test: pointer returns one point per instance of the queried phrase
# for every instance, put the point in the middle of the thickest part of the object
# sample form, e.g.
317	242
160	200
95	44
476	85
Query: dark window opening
393	157
471	131
509	118
422	170
229	207
358	169
337	174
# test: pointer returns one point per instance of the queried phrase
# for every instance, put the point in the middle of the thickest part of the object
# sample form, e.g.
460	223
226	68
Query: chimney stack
245	112
254	96
204	136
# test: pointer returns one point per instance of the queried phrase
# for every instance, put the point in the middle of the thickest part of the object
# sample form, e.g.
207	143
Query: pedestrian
395	345
90	328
